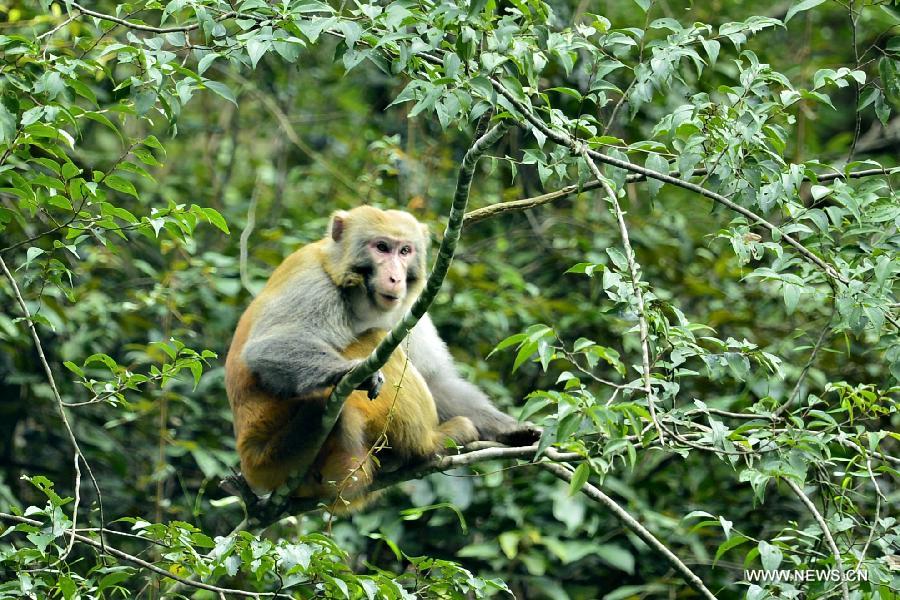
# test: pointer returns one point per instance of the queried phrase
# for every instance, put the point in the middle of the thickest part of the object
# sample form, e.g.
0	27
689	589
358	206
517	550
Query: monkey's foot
523	434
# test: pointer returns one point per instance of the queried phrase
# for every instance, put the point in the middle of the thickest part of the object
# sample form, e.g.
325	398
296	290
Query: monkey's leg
344	469
278	441
455	397
459	429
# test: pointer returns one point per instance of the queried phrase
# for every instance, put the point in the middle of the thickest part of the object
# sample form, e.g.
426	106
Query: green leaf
616	556
115	578
206	61
533	405
256	49
74	368
144	99
659	164
791	294
145	156
451	65
31	254
120	184
618	258
889	70
525	352
509	543
221	89
214	217
727	545
819	191
800	7
50	83
7	125
769	555
643	4
579	478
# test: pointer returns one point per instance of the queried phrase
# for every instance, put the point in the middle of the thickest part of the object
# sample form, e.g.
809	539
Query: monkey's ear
338	224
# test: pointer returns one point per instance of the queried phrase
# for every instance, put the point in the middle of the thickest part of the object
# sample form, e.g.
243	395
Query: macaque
322	312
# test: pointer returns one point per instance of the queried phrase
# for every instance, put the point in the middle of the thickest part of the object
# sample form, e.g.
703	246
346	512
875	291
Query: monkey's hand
373	385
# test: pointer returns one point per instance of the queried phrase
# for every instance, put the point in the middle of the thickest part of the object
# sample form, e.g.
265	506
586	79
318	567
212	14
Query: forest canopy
669	238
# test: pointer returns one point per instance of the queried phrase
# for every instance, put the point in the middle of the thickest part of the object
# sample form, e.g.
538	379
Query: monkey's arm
455	396
290	366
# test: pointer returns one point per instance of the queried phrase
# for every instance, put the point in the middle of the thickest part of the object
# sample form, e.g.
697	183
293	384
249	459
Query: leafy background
132	161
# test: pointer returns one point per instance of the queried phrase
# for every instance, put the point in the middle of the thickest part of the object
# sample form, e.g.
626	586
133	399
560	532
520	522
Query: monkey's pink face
394	263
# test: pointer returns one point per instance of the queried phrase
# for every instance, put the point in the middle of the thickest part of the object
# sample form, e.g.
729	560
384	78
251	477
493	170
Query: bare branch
564	139
291	133
48	34
594	493
60	405
879	495
838	563
141	26
635	283
246	233
500	208
812	357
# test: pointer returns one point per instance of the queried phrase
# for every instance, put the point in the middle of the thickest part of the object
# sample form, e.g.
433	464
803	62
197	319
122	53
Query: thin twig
564	139
290	131
636	284
838	563
48	34
245	235
106	549
79	456
878	496
812	357
469	455
141	26
500	208
857	121
729	414
594	493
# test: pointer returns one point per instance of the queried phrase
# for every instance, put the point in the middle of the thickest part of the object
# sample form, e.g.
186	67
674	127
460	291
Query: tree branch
564	139
60	405
636	284
107	549
469	455
500	208
141	26
280	498
838	563
594	493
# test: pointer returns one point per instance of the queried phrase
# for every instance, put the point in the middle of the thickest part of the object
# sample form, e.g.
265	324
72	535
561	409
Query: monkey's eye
405	250
382	247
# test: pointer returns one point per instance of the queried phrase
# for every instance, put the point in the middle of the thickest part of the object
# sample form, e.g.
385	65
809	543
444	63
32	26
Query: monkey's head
382	252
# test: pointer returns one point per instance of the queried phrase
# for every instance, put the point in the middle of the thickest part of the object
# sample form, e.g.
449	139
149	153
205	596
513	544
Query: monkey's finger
376	384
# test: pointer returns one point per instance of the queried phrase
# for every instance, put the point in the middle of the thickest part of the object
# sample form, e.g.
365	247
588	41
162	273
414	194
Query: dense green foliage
141	145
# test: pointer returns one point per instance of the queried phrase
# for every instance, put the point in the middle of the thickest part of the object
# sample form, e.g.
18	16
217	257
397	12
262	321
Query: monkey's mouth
389	298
